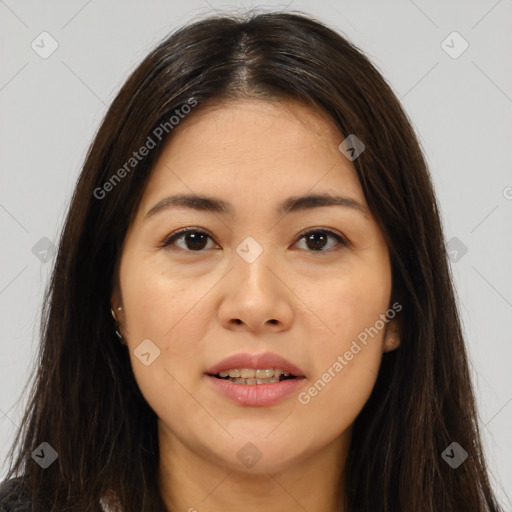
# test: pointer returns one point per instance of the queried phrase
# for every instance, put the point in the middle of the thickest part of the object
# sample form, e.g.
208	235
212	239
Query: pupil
195	238
314	237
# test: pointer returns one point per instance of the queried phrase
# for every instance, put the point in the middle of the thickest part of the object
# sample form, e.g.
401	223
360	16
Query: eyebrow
292	204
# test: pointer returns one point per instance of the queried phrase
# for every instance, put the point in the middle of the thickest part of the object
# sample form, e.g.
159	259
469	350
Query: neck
200	482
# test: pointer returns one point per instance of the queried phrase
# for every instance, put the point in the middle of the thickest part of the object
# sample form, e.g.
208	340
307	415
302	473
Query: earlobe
115	301
116	310
392	336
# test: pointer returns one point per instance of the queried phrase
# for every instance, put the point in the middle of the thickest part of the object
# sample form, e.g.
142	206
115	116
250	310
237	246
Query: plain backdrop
456	88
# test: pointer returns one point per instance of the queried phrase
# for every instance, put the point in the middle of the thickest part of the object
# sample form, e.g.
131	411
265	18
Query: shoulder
13	496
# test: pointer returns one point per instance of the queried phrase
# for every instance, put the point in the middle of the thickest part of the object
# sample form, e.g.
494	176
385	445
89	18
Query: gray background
461	107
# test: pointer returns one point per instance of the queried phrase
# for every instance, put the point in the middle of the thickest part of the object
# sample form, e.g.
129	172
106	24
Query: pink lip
256	394
255	361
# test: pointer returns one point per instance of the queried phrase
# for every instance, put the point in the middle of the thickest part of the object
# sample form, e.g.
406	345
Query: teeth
264	374
254	381
266	381
251	373
247	373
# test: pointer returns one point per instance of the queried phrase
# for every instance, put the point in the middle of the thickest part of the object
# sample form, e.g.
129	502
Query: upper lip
263	361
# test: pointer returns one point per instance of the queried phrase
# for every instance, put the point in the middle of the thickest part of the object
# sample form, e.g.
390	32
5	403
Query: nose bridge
253	294
253	262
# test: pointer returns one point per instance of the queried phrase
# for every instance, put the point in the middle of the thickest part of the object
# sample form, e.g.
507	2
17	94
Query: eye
195	240
316	239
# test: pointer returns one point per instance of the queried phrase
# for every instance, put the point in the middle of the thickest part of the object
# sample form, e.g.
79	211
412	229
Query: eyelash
175	236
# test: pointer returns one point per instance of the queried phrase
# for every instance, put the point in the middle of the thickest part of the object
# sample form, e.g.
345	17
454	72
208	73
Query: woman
307	353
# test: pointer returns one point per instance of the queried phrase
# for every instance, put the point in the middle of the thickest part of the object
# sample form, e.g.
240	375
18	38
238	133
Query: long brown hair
85	401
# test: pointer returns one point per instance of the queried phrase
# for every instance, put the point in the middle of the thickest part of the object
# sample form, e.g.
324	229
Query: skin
200	306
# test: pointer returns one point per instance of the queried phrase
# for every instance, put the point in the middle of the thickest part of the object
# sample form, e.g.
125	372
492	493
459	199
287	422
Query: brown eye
193	240
317	240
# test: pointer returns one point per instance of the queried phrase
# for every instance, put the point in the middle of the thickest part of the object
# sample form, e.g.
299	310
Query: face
310	284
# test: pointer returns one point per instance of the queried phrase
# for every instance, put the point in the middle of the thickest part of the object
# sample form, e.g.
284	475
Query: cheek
159	304
345	374
348	352
347	307
165	317
167	312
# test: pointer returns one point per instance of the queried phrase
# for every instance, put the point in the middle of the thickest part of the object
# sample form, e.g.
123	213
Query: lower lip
256	394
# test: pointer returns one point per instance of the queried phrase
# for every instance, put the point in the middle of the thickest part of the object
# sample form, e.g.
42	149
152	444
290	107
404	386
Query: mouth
255	380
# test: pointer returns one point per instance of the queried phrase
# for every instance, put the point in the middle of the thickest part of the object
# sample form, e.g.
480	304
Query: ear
392	336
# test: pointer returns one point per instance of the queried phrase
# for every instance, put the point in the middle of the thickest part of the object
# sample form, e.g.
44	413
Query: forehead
268	149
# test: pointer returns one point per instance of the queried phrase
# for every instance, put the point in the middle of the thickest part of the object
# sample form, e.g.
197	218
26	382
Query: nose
255	297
